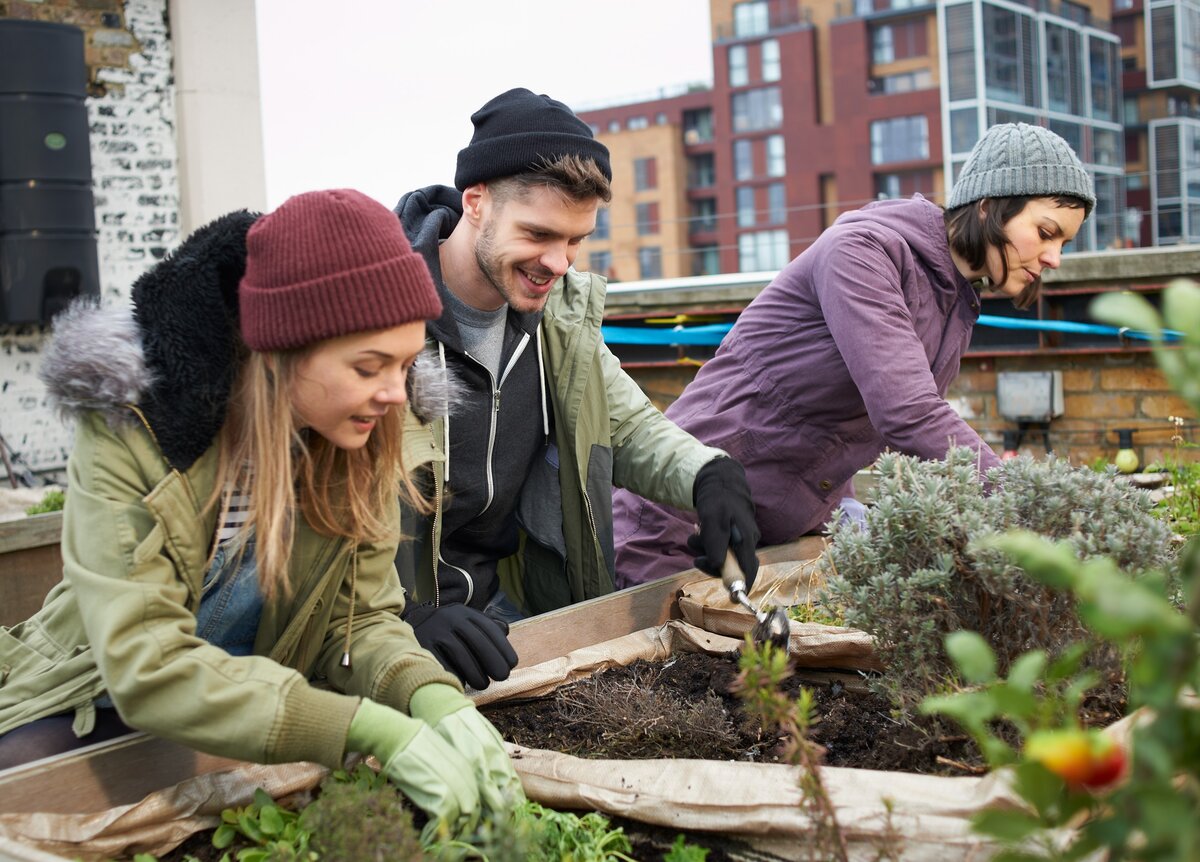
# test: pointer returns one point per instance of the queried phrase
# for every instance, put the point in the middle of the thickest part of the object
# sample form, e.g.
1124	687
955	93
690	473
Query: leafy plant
916	570
1153	813
1181	507
274	832
52	501
681	851
361	817
763	668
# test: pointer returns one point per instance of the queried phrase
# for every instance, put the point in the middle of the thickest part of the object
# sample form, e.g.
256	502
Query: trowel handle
732	576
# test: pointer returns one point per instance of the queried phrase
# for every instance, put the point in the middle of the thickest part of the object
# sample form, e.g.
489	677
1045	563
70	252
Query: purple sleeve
858	287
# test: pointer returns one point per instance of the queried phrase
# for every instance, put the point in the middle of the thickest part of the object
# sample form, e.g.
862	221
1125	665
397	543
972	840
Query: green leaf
1014	702
1127	309
1181	307
271	821
1025	672
1005	825
1051	563
971	653
681	851
223	836
971	709
1041	788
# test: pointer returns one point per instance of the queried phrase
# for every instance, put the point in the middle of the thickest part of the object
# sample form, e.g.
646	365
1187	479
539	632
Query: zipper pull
496	401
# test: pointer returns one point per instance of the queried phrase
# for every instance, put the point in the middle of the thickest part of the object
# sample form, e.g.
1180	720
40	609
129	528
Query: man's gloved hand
470	645
726	514
419	761
456	720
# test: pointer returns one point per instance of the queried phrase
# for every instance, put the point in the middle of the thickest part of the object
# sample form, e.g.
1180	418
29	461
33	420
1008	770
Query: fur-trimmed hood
175	353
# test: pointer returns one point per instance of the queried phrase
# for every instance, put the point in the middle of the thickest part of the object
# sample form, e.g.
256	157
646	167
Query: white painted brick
136	189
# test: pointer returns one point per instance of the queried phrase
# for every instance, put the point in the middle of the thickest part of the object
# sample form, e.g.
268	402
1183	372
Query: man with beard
520	474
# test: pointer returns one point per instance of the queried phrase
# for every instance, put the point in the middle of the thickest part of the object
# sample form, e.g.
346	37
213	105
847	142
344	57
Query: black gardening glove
471	646
726	514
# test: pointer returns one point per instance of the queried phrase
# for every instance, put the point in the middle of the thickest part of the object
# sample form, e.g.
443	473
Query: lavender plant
917	570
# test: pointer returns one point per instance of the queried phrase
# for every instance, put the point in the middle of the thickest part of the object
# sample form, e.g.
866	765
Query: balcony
770	16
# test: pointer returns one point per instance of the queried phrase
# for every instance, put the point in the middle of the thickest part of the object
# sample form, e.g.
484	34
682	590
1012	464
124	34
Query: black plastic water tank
47	214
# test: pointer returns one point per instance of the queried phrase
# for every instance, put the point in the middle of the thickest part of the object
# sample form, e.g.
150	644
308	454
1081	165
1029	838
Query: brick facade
1101	393
131	114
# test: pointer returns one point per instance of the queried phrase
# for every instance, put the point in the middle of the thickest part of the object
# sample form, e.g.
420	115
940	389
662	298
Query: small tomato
1066	753
1083	759
1108	763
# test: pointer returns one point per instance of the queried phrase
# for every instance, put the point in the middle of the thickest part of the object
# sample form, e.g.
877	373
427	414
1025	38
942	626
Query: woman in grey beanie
852	347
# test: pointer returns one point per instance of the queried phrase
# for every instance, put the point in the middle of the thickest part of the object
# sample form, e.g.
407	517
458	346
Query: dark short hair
576	178
971	236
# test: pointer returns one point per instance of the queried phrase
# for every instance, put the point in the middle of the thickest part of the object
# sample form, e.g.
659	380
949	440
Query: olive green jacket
606	431
135	543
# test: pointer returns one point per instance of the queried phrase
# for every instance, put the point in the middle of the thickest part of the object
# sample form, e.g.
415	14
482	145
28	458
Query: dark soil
694	713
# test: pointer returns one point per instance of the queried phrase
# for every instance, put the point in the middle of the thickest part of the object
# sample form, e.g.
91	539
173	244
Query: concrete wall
175	141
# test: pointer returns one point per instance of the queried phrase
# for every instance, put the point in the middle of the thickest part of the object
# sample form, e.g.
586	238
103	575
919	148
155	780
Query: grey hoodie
849	350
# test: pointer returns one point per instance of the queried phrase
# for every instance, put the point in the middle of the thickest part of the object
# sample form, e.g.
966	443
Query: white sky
377	94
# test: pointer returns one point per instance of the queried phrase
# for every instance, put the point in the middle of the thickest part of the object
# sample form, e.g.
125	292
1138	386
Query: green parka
607	432
136	539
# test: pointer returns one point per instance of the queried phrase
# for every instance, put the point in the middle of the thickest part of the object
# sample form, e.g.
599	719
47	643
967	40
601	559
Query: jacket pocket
544	558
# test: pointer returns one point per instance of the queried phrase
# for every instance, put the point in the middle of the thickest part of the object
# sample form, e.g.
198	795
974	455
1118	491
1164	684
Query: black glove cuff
719	471
414	615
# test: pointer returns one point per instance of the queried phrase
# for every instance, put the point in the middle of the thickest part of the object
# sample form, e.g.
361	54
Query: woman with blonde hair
231	516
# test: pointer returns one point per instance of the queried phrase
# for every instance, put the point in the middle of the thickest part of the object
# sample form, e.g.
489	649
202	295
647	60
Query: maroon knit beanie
326	264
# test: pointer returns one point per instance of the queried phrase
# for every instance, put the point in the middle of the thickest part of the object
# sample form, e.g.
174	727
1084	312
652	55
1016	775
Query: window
743	160
1011	65
1102	62
600	262
898	41
739	71
594	128
964	129
904	184
636	123
776	204
645	174
703	216
745	206
603	223
771	69
706	260
902	139
1106	148
775	160
882	49
903	82
646	216
701	174
750	19
660	119
764	250
1064	72
757	109
614	126
650	262
697	126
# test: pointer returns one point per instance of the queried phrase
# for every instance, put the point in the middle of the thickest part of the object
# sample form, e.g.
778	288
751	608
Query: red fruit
1108	764
1085	760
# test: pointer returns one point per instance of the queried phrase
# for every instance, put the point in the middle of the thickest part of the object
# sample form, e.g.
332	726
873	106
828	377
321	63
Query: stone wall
131	112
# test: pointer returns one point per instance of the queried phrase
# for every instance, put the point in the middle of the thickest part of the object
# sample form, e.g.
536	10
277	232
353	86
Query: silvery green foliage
914	574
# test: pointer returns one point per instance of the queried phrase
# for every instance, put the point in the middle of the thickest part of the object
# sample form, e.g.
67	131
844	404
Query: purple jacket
848	351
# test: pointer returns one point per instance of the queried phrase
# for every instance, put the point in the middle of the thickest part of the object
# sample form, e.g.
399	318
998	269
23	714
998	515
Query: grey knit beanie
1016	159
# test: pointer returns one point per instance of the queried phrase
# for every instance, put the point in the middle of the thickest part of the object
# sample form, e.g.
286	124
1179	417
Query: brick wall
1101	393
131	113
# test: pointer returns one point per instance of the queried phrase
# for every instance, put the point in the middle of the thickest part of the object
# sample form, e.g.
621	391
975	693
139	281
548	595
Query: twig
965	767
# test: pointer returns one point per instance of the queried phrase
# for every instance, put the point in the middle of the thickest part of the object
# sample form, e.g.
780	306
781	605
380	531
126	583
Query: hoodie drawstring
542	381
445	423
350	617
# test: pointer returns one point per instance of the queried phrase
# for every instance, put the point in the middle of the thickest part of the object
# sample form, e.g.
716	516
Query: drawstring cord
353	592
542	381
445	423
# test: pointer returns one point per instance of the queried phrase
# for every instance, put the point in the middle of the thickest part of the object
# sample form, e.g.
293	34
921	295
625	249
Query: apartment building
819	107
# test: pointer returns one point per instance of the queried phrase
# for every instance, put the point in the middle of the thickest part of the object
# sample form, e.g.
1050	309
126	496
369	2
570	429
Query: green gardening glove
457	721
420	762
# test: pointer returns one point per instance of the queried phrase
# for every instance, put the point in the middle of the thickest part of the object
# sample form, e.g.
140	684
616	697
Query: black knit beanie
516	130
